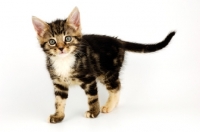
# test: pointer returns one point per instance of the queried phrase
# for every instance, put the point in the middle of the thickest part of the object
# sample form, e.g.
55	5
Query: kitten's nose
61	49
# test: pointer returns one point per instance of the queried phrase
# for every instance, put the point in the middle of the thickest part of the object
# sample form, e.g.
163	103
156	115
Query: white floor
160	91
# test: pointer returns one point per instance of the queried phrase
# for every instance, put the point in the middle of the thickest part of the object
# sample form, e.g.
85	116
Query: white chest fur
63	65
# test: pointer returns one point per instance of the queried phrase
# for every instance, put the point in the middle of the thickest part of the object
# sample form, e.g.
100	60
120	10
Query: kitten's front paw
90	114
56	118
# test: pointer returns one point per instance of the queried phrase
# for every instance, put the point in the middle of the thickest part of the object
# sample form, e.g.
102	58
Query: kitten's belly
70	81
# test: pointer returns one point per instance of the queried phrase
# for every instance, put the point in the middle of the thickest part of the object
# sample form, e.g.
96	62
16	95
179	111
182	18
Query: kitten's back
108	51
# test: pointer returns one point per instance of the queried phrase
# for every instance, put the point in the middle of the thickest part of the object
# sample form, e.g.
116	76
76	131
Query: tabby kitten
76	59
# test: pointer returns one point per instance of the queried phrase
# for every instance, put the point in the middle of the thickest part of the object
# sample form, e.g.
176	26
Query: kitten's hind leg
113	86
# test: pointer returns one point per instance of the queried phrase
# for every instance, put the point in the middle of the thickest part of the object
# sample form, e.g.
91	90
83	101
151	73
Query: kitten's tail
137	47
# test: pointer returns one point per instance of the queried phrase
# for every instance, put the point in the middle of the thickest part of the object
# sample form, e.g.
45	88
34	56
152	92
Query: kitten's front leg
61	94
93	102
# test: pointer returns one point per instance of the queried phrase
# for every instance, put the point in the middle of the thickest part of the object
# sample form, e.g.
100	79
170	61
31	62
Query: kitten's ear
74	19
39	25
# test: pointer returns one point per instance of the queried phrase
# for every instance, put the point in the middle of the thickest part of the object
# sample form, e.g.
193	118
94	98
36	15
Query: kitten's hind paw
105	109
108	108
89	114
56	118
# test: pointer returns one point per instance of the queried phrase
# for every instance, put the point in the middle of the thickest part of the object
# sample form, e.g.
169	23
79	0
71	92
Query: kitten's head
60	37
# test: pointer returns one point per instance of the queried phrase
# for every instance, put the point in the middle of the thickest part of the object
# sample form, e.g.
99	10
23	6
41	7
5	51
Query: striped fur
83	60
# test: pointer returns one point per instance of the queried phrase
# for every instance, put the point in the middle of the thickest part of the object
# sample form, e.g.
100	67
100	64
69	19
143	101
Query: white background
160	91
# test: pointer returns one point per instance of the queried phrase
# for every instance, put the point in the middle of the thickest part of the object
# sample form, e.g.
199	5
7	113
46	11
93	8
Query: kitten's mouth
62	54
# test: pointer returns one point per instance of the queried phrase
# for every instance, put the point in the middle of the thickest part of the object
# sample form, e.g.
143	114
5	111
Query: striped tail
144	48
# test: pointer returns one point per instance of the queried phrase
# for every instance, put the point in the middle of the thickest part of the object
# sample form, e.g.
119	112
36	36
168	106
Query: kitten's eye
52	42
68	39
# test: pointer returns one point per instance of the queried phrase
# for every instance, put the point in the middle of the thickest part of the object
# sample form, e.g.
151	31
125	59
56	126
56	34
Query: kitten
76	59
